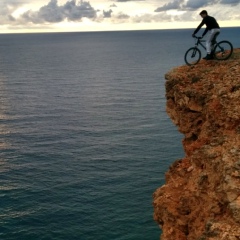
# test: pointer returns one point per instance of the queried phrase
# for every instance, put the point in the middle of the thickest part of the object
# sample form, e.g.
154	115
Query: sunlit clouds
98	15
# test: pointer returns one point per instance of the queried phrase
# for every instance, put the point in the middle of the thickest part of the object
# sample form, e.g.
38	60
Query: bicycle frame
220	50
199	42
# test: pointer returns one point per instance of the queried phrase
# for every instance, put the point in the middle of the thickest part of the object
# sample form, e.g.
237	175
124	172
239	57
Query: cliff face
201	197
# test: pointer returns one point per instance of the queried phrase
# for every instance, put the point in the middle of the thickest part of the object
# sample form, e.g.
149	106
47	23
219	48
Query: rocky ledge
201	197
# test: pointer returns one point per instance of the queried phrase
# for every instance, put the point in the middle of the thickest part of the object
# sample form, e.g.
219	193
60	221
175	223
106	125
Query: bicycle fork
194	52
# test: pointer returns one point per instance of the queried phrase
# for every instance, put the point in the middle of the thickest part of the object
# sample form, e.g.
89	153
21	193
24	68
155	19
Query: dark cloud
193	4
53	13
107	14
232	2
73	11
11	18
169	6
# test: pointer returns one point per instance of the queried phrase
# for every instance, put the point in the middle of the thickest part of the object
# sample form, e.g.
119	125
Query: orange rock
201	197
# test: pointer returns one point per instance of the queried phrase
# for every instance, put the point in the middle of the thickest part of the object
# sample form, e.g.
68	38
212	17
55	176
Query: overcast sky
97	15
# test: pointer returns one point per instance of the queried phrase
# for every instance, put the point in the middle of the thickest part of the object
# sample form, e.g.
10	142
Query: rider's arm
199	27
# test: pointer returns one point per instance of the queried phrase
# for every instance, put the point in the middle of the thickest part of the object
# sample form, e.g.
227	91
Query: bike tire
223	50
192	56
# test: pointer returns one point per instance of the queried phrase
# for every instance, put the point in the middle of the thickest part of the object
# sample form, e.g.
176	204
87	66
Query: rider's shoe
208	57
212	55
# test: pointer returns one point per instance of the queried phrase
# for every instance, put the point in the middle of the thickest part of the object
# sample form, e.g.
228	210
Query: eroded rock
201	197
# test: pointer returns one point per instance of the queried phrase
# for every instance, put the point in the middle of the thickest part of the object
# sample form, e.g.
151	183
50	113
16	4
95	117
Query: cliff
201	197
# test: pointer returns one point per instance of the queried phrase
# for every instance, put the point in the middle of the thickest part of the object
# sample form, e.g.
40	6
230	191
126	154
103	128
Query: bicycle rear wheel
223	50
192	56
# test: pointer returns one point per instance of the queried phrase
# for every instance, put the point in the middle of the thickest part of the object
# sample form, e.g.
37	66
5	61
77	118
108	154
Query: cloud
6	10
129	0
53	13
11	3
107	14
193	4
122	16
161	17
232	2
170	6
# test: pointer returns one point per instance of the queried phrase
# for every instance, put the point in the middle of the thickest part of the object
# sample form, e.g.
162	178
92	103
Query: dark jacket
210	22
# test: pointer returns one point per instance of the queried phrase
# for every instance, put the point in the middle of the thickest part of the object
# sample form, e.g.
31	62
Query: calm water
84	136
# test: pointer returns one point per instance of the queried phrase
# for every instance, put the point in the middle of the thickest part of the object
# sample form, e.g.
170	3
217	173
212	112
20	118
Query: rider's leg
209	39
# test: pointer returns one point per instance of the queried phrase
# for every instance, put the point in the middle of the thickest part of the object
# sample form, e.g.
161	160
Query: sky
18	16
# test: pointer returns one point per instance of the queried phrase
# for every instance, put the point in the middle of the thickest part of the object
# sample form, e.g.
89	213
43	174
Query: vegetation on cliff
201	197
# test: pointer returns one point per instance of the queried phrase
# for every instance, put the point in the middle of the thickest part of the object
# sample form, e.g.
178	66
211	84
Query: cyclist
212	28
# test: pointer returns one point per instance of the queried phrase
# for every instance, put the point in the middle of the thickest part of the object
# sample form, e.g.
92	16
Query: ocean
84	136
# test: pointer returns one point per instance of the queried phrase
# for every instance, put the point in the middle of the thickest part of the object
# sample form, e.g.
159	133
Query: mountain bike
221	50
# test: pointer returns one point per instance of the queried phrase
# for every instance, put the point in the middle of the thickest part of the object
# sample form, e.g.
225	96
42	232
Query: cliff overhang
201	197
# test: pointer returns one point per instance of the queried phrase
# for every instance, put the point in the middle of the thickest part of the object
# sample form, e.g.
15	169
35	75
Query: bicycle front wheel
223	50
192	56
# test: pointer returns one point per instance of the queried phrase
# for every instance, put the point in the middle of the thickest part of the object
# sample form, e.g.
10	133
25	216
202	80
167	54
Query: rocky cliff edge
201	197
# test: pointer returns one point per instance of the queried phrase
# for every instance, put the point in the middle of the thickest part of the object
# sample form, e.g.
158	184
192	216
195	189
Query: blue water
84	136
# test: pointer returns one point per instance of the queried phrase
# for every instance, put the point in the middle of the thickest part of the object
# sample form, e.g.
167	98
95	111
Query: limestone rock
201	197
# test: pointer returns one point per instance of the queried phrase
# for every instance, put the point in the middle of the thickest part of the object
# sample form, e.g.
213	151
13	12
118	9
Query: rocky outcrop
201	197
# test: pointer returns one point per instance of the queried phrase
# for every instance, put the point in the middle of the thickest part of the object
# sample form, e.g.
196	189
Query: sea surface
84	136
